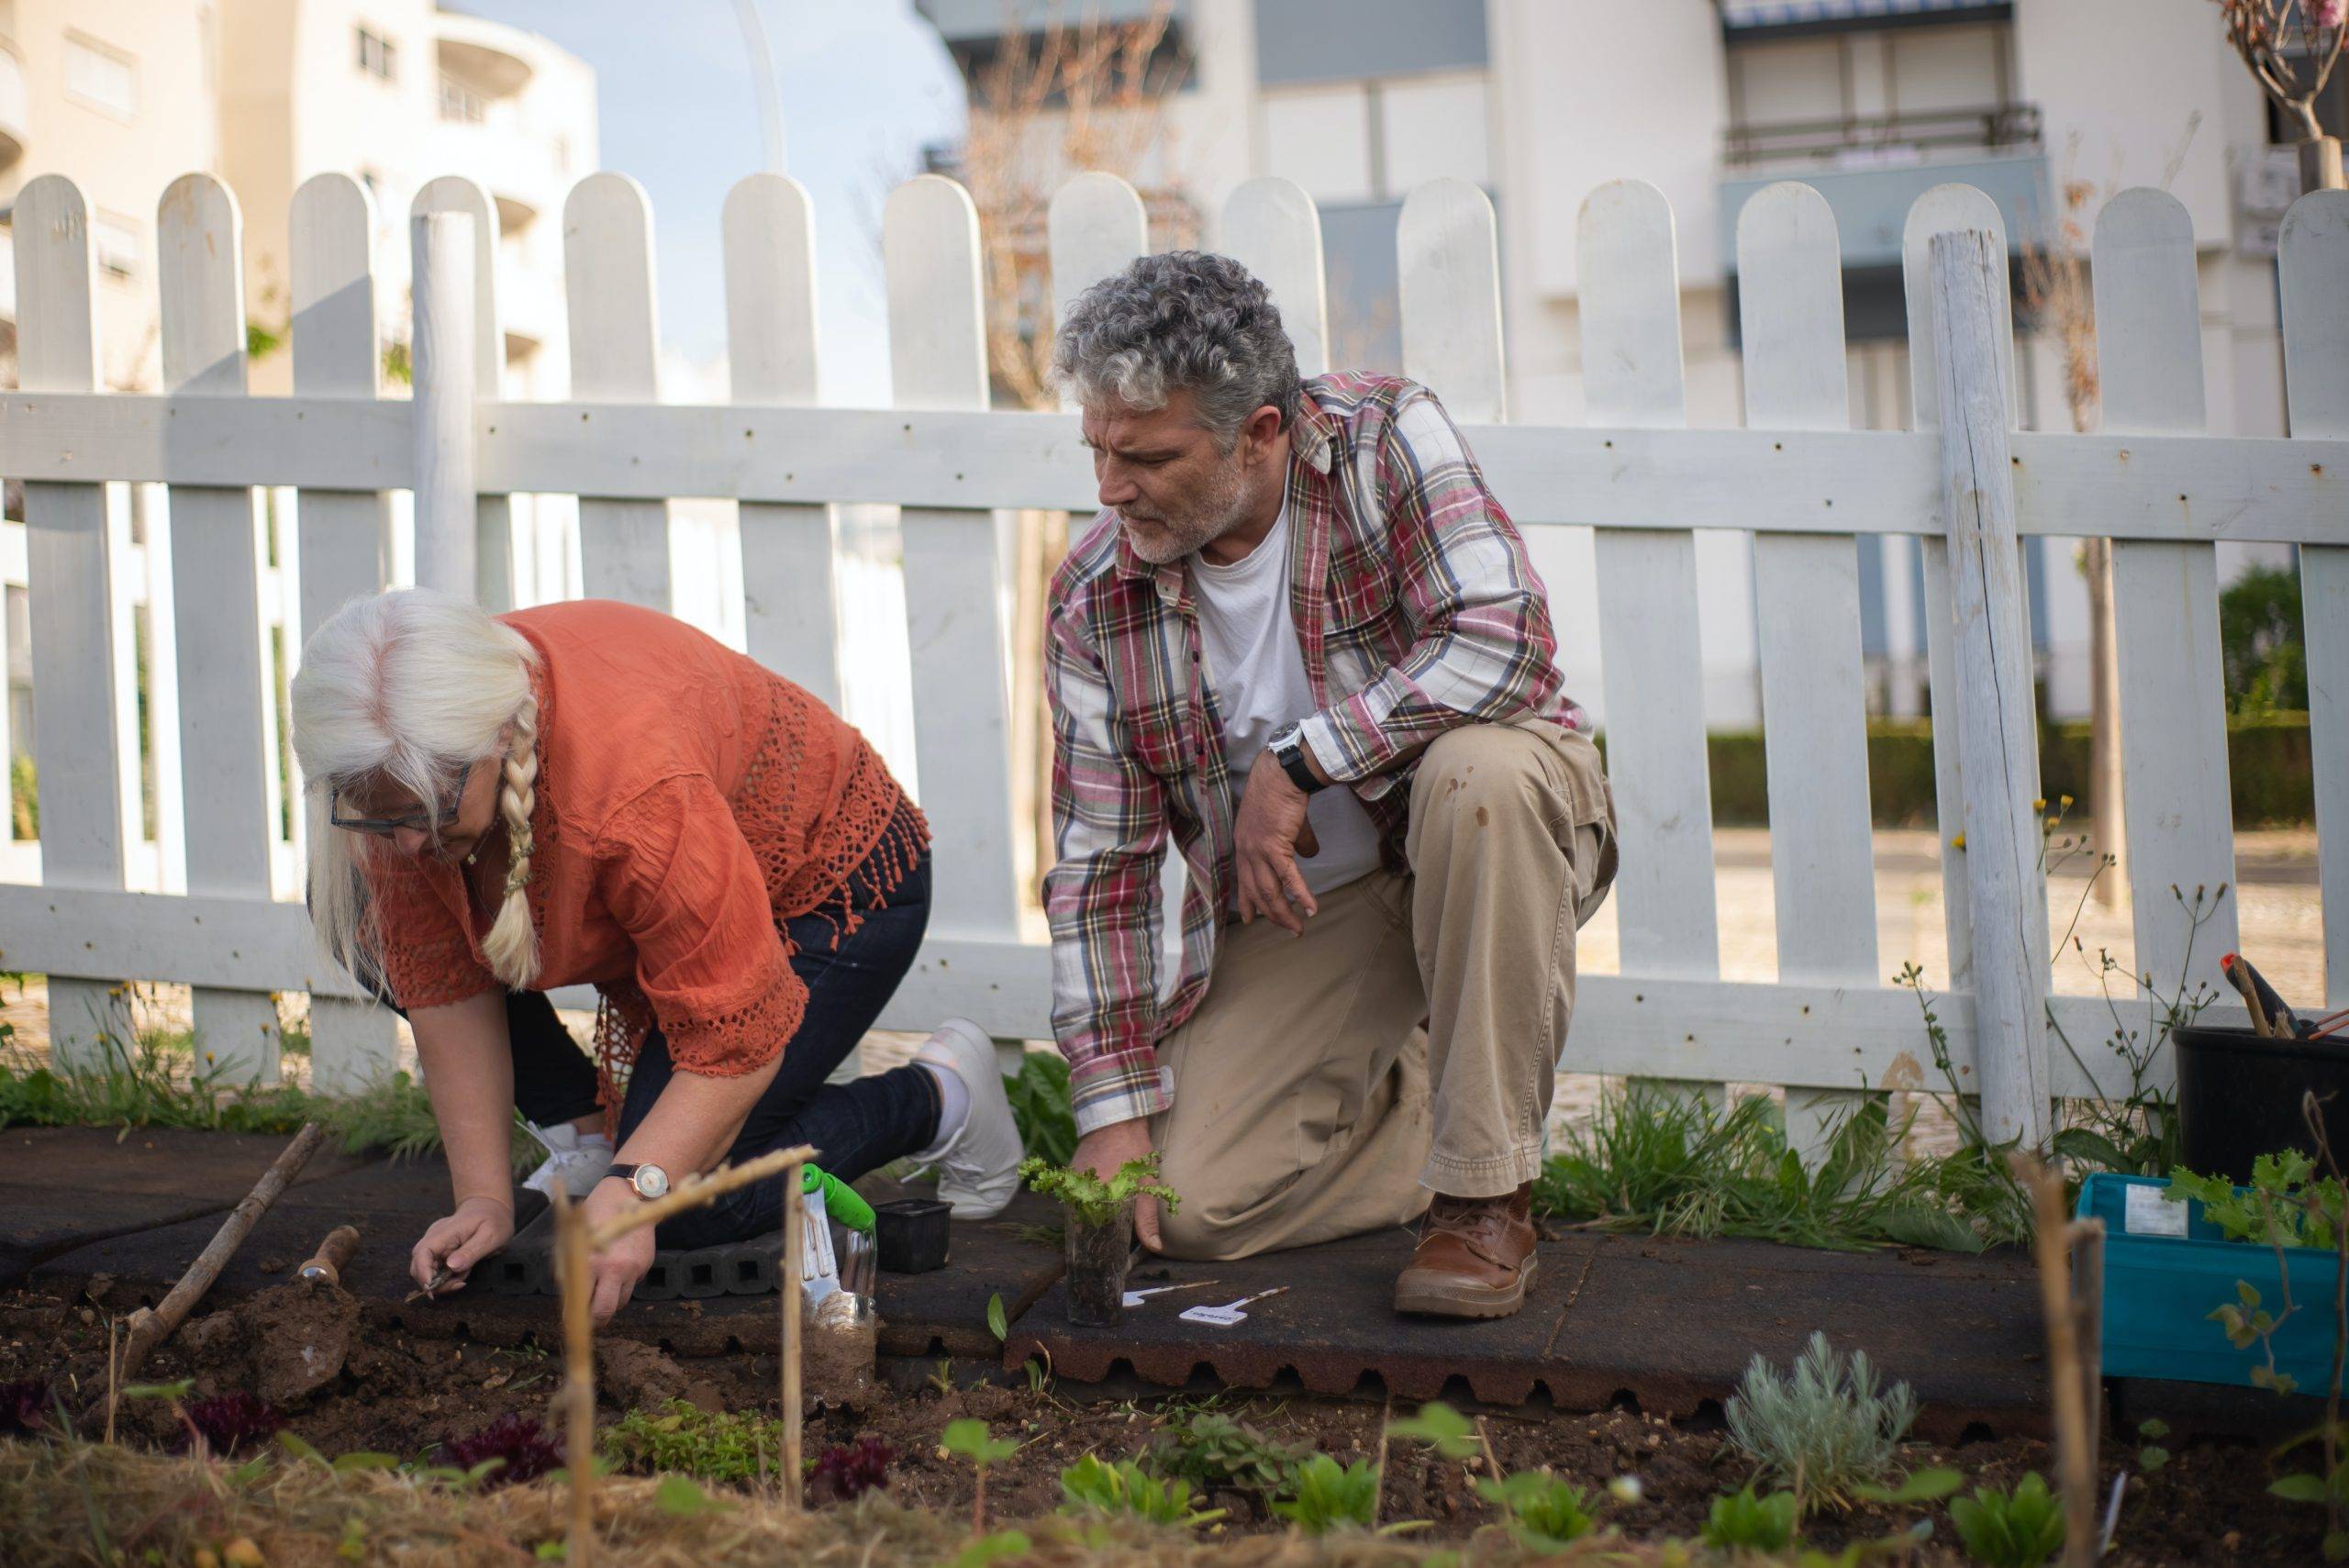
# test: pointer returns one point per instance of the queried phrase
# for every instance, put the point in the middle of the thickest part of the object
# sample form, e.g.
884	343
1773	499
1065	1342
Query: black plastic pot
2239	1097
909	1234
1098	1257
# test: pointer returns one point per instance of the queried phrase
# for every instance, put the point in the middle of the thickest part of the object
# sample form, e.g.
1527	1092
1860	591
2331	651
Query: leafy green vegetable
2020	1528
1544	1511
1745	1522
1092	1200
1328	1495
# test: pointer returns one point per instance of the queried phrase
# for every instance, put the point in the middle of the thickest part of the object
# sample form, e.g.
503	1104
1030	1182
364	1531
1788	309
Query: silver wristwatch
648	1181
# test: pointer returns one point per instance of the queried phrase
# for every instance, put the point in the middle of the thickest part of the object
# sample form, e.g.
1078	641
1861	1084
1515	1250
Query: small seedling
1442	1427
1822	1429
997	1323
1089	1200
969	1439
1544	1511
1212	1450
1092	1486
2020	1528
1328	1495
943	1378
2152	1456
685	1440
1745	1522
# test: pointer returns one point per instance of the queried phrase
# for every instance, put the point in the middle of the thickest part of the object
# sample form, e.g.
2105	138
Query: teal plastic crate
2160	1289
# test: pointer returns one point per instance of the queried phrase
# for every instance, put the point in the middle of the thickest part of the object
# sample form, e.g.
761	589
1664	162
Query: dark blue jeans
855	1128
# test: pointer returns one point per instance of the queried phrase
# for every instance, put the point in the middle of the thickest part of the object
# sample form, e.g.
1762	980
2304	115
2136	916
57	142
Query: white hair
414	688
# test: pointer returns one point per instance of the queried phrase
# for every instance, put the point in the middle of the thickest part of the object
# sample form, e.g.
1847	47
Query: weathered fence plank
614	356
1448	286
2314	265
1998	735
494	564
1807	591
954	586
345	534
447	503
1271	228
2180	825
71	564
228	749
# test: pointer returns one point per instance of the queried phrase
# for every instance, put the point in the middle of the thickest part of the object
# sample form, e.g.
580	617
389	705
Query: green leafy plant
969	1439
1544	1512
685	1440
1824	1430
2152	1456
1093	1487
1326	1495
987	1547
2287	1204
1743	1522
1040	1106
1089	1200
1440	1426
2018	1528
1210	1450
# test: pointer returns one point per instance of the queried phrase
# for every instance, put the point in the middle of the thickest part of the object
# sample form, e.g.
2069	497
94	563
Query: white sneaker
978	1167
578	1160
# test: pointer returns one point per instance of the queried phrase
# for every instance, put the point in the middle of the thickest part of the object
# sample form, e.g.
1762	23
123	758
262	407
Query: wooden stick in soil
2066	1387
571	1252
795	1220
150	1327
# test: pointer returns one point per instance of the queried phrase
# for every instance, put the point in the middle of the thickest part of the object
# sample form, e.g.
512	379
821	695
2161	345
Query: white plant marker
1225	1316
1135	1297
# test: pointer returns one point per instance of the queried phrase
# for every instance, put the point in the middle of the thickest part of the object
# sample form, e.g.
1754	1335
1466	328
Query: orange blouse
689	803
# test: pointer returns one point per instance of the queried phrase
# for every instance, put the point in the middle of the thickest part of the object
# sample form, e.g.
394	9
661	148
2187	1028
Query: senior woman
590	792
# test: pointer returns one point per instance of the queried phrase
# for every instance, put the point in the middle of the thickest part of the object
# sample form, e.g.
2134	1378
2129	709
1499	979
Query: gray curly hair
1185	318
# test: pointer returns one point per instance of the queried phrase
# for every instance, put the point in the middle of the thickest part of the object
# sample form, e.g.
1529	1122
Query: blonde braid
512	945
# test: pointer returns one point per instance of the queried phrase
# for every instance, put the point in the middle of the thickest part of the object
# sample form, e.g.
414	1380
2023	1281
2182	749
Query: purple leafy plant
24	1407
522	1443
233	1421
852	1469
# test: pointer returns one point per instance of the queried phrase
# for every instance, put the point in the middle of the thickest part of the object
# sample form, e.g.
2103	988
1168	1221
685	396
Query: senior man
1302	643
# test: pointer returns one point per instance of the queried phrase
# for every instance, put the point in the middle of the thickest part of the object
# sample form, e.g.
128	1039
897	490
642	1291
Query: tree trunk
2320	163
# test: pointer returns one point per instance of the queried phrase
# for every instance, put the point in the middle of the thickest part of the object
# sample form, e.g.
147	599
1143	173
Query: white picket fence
1633	485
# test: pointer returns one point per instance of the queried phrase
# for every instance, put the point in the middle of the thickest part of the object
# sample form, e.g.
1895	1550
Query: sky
864	86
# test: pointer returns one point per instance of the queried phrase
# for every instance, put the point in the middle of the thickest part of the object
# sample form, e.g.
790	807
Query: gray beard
1216	515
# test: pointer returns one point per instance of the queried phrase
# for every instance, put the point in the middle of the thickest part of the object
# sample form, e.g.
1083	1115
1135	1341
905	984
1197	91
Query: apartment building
1871	101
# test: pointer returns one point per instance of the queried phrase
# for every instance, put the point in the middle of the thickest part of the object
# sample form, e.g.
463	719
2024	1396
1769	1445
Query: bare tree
2291	47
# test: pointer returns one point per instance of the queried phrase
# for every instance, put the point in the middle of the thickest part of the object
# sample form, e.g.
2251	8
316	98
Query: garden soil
403	1395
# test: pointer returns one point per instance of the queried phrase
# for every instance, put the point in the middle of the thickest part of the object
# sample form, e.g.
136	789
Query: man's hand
1269	832
1104	1150
480	1227
614	1271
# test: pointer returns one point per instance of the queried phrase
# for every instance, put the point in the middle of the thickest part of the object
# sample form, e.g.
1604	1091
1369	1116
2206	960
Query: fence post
496	564
615	358
1271	228
1997	732
446	526
70	570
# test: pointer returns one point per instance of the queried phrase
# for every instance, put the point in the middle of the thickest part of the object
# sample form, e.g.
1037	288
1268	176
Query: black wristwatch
648	1181
1288	749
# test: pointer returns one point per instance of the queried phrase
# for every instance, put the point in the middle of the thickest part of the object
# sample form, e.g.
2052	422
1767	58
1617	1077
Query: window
101	77
114	241
377	55
459	102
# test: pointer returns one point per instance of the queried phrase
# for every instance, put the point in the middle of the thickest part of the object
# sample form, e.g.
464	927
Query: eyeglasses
385	827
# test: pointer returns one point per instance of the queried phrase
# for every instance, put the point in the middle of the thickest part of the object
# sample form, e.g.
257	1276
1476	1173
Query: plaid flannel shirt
1416	611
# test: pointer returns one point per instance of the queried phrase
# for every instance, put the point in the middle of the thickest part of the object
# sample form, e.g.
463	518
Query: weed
519	1448
2020	1528
1440	1426
848	1472
971	1438
1544	1511
1326	1495
1040	1106
1210	1450
1824	1430
1743	1522
1089	1199
688	1441
943	1378
1092	1486
2153	1456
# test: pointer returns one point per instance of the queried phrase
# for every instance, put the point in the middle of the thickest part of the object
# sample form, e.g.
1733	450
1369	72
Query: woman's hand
480	1227
614	1271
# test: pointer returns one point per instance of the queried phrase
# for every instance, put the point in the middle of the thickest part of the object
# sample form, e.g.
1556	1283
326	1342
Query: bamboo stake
150	1327
574	1245
795	1220
2074	1449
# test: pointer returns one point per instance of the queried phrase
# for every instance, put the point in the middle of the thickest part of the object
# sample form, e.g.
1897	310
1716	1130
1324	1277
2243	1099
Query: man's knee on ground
1481	772
1200	1227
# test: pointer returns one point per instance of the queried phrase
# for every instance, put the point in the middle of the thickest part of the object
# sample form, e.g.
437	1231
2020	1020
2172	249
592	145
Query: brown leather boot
1475	1258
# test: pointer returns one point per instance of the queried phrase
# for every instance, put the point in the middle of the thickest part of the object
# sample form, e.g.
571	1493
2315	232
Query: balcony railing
1864	142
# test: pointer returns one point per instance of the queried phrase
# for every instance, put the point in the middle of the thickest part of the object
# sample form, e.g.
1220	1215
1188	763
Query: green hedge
2268	762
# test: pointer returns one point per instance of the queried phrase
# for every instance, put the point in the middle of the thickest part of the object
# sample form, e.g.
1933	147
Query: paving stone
62	1187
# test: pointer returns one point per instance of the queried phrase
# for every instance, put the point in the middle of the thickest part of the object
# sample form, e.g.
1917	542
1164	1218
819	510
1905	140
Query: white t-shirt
1249	637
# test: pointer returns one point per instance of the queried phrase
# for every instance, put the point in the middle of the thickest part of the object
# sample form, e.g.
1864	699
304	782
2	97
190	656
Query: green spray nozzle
840	1200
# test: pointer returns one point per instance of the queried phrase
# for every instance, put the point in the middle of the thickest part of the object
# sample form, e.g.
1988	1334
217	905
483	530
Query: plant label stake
1135	1297
1225	1316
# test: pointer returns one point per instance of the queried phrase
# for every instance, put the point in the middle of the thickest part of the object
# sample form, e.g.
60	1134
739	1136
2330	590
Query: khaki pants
1408	1041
